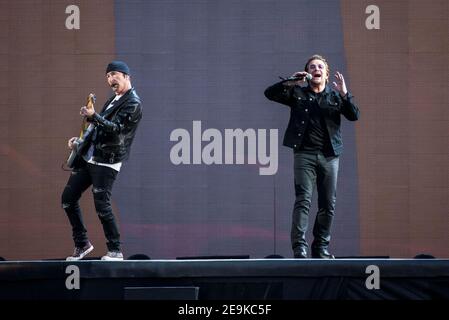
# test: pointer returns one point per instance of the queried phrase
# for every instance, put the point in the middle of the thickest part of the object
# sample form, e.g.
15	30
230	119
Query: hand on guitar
71	141
87	112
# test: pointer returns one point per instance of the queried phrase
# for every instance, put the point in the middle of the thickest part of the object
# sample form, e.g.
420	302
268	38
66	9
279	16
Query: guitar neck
89	105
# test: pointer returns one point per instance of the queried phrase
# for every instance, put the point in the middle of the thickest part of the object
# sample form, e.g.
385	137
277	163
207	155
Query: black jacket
300	100
116	127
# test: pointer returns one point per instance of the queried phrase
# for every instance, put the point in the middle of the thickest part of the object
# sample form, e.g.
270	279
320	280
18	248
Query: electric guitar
86	131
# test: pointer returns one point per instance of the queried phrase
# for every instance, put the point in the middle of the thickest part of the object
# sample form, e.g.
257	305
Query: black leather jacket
300	100
116	128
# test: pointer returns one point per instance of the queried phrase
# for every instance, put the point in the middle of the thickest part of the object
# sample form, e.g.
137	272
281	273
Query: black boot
300	252
321	253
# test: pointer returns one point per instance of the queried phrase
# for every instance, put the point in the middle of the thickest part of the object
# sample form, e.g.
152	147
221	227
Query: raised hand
339	84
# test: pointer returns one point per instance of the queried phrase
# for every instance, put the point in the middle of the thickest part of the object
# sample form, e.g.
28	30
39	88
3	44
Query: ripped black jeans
101	178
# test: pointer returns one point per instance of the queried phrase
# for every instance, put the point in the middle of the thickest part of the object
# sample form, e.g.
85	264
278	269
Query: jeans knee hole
98	190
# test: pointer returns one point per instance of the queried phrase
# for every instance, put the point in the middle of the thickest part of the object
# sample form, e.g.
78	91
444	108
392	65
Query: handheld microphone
296	78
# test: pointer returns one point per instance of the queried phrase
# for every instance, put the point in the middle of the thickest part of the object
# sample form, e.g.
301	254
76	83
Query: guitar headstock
91	100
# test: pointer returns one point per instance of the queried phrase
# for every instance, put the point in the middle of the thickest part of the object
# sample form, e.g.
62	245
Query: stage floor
227	279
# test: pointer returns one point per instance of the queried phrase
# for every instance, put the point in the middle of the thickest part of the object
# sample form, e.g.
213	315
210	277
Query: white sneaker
80	253
113	256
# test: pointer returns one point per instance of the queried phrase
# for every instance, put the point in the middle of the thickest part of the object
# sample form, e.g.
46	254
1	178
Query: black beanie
118	66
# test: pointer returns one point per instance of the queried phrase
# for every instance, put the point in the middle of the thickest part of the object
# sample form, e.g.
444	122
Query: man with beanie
113	131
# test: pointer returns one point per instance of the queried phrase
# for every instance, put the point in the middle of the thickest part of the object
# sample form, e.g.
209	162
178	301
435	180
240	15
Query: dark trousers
314	169
101	178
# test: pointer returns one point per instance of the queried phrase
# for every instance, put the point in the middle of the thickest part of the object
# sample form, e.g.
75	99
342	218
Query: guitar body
80	144
73	157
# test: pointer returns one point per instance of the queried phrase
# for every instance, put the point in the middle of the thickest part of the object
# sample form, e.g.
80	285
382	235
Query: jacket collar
327	90
117	104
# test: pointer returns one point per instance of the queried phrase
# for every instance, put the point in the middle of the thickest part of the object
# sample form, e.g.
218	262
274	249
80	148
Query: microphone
296	78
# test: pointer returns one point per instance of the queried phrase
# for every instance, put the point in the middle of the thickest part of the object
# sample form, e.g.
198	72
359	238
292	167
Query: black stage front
226	279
